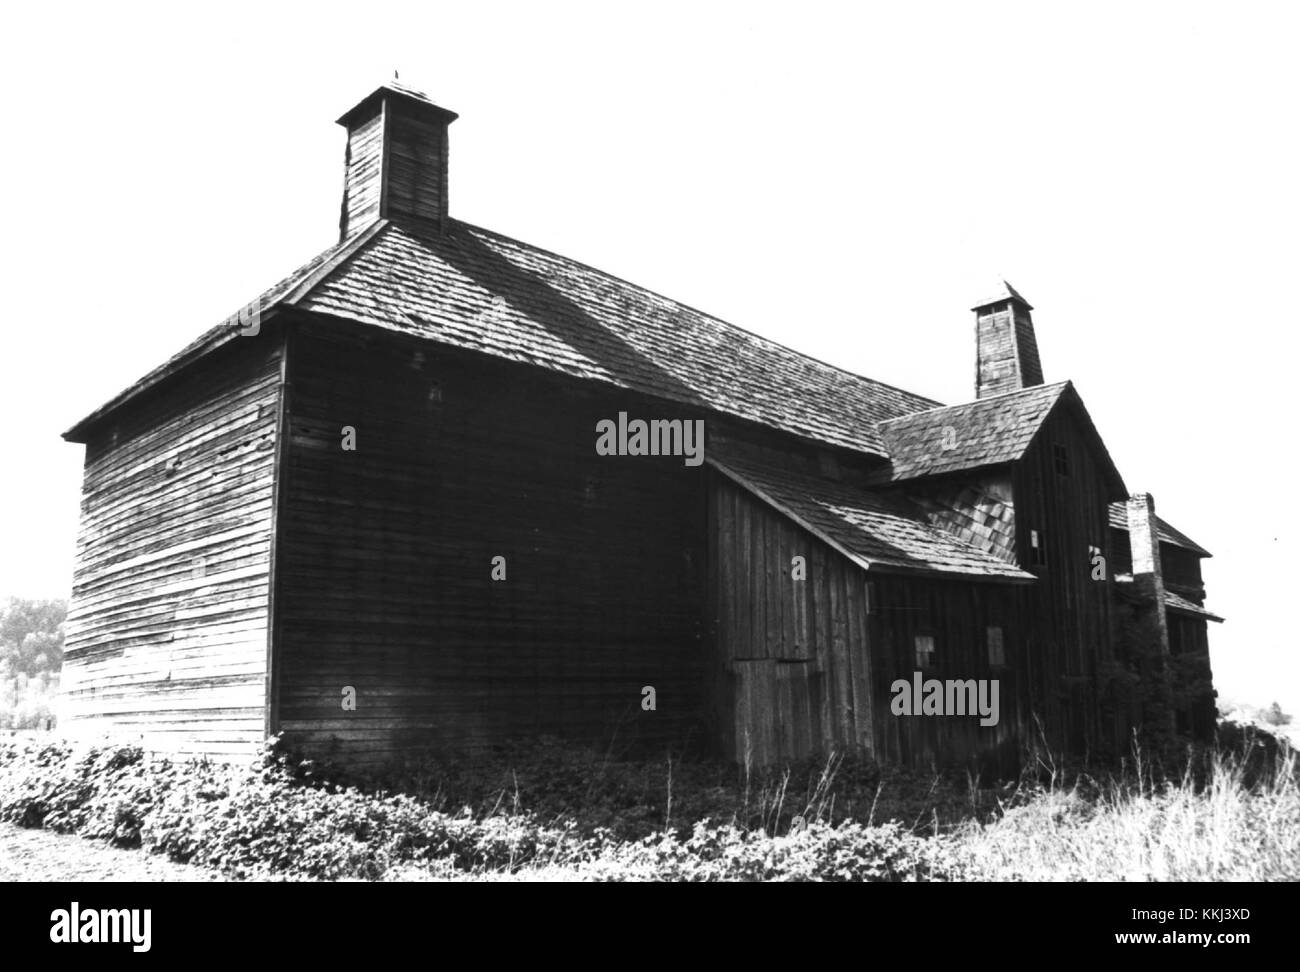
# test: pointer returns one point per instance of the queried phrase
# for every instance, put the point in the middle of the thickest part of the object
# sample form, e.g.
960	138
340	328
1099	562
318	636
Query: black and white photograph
556	443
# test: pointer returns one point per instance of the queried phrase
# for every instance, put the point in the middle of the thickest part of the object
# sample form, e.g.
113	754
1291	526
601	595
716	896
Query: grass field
552	813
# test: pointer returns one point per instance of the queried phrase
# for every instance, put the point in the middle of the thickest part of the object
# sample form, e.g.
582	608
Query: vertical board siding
825	684
167	628
1071	612
385	558
957	615
771	638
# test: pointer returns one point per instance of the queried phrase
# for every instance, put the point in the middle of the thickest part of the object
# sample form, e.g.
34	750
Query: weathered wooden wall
1189	644
621	572
167	628
1070	633
790	672
804	667
417	172
958	615
1181	568
1182	571
385	558
362	178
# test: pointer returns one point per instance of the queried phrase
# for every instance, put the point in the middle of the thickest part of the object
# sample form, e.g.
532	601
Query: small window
924	651
1060	459
1037	553
997	653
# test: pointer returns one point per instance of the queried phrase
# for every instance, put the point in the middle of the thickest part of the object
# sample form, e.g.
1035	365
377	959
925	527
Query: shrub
1227	817
273	818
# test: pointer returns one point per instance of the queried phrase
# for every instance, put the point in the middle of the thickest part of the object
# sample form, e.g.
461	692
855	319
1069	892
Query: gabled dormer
962	464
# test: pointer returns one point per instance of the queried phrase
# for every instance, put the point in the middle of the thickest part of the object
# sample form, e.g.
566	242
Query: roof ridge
703	313
344	250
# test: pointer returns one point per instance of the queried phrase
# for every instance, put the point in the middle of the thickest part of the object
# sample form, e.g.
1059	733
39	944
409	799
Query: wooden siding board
1070	613
838	697
168	619
386	559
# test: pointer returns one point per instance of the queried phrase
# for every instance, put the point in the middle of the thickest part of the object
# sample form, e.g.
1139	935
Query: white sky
843	178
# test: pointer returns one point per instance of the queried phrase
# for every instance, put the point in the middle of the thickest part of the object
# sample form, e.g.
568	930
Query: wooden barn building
439	489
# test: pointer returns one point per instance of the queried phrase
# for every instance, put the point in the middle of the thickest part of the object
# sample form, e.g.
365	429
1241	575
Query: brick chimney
396	160
1006	351
1148	575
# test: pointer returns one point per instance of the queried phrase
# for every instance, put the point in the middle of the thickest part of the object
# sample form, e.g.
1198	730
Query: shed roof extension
875	532
1173	601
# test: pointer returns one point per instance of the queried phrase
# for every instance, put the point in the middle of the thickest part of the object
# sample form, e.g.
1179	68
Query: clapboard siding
167	627
803	667
363	172
385	558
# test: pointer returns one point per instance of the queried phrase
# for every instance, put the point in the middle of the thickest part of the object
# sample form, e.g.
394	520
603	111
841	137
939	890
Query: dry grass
1223	829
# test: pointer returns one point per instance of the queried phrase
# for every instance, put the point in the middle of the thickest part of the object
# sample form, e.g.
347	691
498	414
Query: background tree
1274	716
31	658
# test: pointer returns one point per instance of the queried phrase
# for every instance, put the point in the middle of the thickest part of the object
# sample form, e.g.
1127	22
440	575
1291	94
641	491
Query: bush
1227	817
274	818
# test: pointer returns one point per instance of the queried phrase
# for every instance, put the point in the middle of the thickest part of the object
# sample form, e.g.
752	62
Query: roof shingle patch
874	531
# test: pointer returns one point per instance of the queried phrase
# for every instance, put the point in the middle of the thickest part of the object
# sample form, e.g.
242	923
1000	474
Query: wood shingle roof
986	432
1173	601
972	435
876	532
1176	602
482	291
